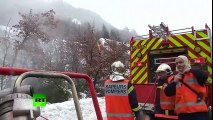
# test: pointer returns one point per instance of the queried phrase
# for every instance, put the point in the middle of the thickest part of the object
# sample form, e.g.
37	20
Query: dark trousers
194	116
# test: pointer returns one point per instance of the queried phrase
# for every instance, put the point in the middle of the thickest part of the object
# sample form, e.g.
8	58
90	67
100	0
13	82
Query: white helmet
164	68
118	68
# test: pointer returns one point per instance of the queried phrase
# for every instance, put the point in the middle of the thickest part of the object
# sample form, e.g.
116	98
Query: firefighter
164	105
189	90
120	96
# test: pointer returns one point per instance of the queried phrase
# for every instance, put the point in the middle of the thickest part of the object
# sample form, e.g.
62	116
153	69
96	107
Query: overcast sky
137	14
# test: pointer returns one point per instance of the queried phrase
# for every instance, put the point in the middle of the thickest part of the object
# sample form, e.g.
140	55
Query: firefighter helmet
118	68
164	68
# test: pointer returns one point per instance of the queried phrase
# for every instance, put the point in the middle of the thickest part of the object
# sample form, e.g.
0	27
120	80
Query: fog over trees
42	39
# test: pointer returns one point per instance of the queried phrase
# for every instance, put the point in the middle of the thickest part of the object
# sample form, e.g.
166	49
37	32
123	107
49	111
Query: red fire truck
162	46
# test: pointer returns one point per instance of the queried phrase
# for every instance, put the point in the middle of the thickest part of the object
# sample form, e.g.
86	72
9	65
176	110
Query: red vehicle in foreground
16	103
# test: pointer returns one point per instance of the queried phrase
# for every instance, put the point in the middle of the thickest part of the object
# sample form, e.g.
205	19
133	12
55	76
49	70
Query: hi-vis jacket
117	100
167	103
186	99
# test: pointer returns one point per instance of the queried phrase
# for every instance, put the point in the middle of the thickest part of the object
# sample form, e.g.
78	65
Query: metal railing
18	71
53	75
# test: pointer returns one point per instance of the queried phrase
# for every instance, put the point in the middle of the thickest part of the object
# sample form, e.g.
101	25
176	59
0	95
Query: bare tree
95	64
7	45
31	27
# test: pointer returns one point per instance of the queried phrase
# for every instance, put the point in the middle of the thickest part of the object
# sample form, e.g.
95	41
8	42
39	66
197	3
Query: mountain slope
9	10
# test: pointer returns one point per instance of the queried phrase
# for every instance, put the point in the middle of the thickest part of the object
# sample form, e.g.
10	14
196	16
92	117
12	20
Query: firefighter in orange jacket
164	108
188	104
120	96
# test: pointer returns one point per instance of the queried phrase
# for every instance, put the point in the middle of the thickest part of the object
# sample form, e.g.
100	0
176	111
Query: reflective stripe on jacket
117	101
167	103
186	99
166	116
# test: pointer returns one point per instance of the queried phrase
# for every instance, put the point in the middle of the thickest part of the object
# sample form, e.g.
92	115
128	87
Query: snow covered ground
66	110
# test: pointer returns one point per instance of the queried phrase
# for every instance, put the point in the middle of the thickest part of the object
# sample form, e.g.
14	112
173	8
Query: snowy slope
66	110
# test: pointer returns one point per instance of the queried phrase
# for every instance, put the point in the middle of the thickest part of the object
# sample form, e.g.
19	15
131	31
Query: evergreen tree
114	35
104	33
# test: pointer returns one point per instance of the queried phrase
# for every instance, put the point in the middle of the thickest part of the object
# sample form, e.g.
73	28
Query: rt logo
39	99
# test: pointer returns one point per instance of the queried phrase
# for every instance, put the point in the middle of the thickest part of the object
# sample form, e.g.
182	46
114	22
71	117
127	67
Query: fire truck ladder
159	31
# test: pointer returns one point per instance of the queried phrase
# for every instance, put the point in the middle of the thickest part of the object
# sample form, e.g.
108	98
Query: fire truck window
156	59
